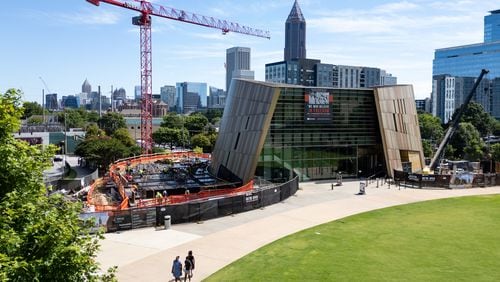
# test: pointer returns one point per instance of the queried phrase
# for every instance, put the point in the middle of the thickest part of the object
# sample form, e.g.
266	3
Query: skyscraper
86	87
167	94
191	96
299	70
295	34
466	62
491	24
238	64
137	93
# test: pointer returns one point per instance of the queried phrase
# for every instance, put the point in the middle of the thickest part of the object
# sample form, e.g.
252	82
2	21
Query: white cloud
91	17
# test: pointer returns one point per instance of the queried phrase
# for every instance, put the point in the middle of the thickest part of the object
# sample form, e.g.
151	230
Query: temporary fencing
194	210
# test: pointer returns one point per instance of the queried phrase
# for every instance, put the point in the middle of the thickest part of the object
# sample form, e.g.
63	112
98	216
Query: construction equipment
453	126
147	10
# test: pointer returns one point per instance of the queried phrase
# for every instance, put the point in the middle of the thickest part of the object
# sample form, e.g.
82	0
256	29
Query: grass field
455	239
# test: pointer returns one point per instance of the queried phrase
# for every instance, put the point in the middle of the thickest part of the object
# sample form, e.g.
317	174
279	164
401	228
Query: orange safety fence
119	180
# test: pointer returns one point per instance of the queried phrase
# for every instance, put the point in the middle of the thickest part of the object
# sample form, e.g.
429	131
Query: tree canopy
111	122
195	123
31	109
480	119
41	237
173	121
467	142
430	127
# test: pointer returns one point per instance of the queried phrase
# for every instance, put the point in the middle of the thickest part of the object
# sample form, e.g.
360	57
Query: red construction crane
144	22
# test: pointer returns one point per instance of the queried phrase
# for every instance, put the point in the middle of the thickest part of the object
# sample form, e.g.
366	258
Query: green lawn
454	239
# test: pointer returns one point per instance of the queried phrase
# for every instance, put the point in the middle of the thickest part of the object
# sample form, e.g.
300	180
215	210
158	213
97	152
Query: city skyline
65	42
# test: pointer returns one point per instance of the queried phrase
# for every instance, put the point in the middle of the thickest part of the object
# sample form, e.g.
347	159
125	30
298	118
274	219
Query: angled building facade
276	131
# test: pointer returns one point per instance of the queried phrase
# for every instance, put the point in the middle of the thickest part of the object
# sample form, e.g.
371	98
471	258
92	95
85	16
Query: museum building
276	131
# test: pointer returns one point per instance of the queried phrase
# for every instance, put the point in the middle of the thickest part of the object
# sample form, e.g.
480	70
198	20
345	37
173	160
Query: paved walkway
147	254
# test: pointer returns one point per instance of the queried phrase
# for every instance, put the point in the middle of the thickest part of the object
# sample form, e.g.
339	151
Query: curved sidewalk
147	254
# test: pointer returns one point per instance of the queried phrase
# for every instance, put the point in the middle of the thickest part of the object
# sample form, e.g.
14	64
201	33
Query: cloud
91	17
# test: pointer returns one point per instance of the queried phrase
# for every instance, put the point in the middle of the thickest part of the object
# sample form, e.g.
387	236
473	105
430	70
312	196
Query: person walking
177	269
191	259
188	267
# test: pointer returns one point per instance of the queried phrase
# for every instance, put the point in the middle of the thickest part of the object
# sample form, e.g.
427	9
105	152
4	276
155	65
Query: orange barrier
115	174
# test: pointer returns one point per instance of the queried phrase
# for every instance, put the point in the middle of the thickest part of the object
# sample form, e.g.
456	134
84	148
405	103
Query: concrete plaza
147	254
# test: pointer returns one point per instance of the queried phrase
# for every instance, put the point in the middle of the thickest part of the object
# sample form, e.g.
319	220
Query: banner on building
317	106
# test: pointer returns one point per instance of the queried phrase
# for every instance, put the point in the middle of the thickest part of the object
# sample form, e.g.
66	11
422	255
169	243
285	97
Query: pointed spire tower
86	87
295	34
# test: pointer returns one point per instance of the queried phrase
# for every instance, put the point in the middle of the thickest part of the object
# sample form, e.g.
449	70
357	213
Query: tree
481	120
31	109
111	122
202	141
94	131
41	237
427	146
467	142
72	118
122	135
495	152
430	128
195	123
102	151
35	121
173	121
212	114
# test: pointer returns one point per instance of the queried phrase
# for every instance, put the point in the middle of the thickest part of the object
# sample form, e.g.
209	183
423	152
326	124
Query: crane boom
147	10
184	16
454	123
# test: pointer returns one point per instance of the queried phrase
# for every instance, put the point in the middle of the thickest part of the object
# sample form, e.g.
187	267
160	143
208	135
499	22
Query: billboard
317	106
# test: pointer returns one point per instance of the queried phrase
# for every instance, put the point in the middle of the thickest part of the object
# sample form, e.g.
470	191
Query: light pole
65	138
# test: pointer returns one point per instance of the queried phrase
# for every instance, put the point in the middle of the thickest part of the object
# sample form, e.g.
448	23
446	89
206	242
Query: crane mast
146	10
454	123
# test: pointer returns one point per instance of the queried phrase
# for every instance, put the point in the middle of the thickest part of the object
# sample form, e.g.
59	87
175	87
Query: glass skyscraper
467	61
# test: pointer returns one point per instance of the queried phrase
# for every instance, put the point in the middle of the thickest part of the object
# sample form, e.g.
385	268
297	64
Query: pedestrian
191	259
187	269
177	269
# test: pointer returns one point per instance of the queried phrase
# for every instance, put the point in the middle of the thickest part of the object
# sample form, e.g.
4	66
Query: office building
70	101
191	97
86	87
137	92
238	64
298	70
295	34
217	98
423	105
275	131
167	94
51	102
467	61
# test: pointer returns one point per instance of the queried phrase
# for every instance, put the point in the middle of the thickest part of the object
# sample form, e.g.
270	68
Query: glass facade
467	62
491	23
347	141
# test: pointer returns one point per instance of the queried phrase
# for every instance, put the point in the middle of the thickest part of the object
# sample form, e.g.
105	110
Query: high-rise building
70	101
491	26
191	96
137	92
298	70
167	94
295	34
86	87
467	61
217	98
238	64
51	102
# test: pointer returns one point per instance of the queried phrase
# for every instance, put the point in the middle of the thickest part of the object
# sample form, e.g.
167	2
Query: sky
61	43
